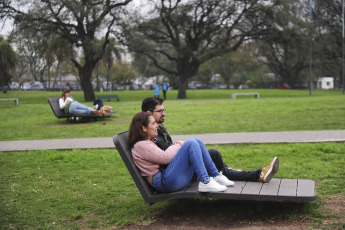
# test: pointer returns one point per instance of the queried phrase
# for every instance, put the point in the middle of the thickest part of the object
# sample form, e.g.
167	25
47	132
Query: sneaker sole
212	190
272	171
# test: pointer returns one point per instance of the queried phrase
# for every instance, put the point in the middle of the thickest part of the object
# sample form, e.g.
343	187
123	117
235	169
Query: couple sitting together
169	166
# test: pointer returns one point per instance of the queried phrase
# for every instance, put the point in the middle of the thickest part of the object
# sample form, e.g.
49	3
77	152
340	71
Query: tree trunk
182	88
85	73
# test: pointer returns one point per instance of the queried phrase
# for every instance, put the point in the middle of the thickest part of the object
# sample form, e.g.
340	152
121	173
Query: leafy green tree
124	74
29	48
111	53
77	22
327	17
181	35
285	46
7	62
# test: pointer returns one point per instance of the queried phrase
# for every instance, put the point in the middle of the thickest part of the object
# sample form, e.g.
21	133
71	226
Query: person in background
69	105
154	106
156	90
164	89
172	169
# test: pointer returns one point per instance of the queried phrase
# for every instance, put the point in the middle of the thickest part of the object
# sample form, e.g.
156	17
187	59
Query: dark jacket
163	140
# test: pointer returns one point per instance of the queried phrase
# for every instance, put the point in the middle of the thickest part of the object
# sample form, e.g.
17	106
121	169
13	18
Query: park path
209	139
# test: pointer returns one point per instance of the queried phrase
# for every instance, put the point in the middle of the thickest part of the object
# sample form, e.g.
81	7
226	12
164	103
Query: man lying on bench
181	160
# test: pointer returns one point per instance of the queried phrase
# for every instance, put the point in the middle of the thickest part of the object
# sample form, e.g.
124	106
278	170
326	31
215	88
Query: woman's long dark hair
63	95
136	132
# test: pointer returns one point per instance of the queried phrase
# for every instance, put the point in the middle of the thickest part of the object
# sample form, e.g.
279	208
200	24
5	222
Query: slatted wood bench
108	97
234	95
278	190
10	99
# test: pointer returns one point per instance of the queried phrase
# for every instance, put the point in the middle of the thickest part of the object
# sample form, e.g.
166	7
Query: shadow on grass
205	211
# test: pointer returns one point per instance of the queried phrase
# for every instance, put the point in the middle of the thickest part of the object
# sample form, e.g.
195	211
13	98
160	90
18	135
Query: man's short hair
149	103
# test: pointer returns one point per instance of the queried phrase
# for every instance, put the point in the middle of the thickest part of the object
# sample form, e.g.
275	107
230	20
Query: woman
181	159
70	106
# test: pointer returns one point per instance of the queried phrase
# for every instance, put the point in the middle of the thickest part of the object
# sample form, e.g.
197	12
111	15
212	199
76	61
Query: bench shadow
234	210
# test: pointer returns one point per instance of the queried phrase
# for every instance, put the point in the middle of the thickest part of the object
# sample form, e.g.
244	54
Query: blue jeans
77	107
191	158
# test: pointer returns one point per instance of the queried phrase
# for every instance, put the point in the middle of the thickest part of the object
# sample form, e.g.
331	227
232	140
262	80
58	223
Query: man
154	106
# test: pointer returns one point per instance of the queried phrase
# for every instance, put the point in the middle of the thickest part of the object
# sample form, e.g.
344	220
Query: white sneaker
223	180
211	186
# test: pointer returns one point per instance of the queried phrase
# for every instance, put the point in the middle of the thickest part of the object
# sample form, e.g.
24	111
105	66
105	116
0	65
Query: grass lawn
83	189
209	111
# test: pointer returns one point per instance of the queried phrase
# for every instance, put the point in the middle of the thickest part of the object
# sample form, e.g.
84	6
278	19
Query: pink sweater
148	156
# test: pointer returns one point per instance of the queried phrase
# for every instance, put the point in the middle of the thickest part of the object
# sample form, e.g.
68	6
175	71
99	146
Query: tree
7	62
77	22
110	53
285	46
182	35
328	18
29	48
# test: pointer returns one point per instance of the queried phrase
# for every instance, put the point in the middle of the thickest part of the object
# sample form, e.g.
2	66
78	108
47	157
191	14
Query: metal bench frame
234	95
10	99
280	190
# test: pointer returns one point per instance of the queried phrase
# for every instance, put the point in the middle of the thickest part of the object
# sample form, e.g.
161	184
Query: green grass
81	189
210	111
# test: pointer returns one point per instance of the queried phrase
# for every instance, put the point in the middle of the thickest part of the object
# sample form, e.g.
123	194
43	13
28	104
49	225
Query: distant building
325	83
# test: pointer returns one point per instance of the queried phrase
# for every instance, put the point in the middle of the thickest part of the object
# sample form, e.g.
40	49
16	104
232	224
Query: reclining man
154	106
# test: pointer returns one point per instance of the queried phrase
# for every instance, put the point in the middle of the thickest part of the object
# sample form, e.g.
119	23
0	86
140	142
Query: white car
26	86
14	85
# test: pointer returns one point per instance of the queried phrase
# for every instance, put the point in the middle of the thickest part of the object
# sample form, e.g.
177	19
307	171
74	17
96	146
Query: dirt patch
333	210
212	215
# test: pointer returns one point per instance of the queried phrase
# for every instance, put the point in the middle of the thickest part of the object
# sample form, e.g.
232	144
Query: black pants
232	174
165	94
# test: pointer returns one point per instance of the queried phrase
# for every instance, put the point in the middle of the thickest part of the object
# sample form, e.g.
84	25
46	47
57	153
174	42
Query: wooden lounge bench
108	97
234	95
281	190
10	99
60	113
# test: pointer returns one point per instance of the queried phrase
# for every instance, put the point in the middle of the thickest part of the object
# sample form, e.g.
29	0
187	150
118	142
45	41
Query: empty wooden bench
10	99
108	97
234	95
280	190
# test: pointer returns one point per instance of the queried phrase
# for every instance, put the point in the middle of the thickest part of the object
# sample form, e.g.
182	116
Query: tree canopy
186	34
76	21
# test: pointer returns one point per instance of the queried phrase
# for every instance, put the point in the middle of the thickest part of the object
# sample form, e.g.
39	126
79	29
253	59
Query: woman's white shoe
211	186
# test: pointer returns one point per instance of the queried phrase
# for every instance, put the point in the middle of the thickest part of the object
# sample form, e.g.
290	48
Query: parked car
58	87
48	85
74	86
26	86
134	87
118	87
37	86
106	86
196	85
14	85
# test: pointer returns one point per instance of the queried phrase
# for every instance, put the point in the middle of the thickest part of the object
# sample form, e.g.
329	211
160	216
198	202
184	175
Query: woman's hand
180	142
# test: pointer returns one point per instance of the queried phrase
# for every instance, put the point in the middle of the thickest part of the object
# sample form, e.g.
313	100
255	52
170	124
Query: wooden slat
237	188
288	187
272	188
252	188
306	188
